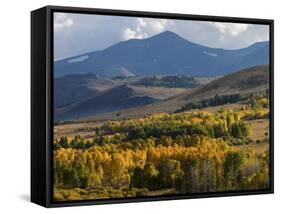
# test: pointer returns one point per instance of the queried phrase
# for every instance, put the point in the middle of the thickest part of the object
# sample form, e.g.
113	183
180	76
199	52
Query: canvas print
147	107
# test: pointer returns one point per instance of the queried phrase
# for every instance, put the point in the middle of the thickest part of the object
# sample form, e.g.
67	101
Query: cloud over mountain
80	33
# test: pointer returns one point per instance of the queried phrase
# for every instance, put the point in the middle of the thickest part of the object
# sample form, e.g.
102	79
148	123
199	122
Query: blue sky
76	34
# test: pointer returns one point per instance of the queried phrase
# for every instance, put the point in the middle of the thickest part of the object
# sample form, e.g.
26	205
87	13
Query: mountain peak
167	34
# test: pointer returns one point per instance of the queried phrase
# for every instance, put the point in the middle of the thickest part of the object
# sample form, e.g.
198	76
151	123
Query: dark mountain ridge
164	53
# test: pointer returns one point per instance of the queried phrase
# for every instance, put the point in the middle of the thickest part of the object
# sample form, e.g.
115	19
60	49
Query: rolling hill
120	97
245	82
73	88
164	53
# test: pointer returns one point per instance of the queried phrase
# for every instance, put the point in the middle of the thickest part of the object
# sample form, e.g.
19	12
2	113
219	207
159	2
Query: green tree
229	121
63	142
70	177
232	169
191	176
219	130
146	177
170	171
236	130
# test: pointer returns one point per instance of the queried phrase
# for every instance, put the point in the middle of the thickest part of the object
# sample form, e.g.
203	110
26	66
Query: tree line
213	101
159	128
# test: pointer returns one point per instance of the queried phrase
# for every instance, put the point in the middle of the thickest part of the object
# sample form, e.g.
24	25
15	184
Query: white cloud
155	25
132	34
232	29
61	21
144	27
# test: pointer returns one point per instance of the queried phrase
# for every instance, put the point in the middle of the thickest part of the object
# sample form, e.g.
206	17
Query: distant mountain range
164	53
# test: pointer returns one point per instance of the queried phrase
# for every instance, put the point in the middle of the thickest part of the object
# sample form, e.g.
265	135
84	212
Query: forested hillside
185	152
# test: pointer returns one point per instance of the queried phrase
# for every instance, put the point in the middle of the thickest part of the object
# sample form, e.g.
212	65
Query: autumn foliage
187	152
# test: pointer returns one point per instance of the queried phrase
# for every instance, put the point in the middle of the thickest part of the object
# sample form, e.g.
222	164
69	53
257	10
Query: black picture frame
42	102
